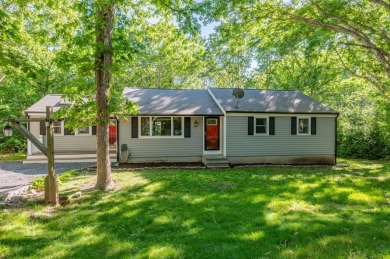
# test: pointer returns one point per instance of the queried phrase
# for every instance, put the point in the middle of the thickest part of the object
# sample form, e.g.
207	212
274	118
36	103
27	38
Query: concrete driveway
14	175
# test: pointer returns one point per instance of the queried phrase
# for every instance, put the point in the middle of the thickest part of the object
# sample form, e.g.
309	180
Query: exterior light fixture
195	124
7	131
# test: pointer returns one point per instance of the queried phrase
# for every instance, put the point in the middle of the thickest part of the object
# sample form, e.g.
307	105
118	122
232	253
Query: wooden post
51	180
30	137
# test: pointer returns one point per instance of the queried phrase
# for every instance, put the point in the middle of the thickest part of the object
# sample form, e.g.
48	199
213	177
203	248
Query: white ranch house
267	127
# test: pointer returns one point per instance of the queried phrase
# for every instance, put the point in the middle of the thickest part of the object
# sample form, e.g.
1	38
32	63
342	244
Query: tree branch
381	2
340	20
381	89
363	46
164	3
379	54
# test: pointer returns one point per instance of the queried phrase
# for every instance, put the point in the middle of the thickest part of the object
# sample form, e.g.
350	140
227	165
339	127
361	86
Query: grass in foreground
269	212
12	157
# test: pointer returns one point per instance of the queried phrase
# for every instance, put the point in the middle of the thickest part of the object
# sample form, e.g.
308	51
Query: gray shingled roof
152	102
49	100
173	102
270	101
199	102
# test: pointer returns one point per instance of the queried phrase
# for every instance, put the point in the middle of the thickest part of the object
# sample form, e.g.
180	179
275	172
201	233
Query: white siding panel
239	143
73	143
65	143
34	128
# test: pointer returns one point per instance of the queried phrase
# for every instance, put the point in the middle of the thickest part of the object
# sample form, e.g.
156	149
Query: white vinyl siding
239	143
66	142
163	146
73	143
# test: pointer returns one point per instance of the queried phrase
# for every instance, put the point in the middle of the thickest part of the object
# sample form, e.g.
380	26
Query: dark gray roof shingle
49	100
270	101
173	102
152	102
199	102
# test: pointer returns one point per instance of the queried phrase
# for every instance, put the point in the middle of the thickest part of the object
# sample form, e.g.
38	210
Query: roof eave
279	112
181	115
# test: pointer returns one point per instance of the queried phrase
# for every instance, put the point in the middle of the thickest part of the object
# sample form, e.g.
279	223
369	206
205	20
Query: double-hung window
58	127
161	126
303	126
85	131
261	126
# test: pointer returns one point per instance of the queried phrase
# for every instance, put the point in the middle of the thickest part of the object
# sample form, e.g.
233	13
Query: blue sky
206	30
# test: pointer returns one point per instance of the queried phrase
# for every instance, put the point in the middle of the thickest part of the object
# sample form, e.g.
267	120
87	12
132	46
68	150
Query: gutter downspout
117	139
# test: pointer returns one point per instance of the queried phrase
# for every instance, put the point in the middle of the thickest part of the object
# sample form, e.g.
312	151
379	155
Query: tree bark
103	62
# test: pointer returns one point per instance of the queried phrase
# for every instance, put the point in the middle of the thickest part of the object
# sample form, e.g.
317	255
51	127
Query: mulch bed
124	166
158	164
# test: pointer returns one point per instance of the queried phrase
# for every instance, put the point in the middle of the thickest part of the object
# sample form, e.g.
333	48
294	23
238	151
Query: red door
212	133
112	134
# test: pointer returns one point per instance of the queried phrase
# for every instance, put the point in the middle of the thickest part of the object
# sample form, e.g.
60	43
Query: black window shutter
293	125
93	130
187	127
272	125
42	128
250	125
134	127
313	125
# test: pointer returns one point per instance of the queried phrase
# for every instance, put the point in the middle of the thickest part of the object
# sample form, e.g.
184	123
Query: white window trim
62	130
308	126
76	133
160	137
266	126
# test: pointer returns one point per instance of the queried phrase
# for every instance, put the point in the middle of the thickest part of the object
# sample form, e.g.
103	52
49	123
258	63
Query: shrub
14	144
356	143
68	175
38	184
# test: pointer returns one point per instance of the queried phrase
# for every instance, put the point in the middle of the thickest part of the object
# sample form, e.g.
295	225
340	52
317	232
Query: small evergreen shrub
15	144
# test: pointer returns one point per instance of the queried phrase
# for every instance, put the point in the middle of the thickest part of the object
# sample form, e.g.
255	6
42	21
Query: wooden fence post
51	180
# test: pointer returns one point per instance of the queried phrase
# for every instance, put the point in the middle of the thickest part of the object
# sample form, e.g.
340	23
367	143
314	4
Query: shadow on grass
240	213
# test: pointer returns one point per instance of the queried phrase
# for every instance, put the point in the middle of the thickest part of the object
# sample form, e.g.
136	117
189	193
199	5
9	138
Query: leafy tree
101	37
171	61
357	30
28	70
230	57
103	61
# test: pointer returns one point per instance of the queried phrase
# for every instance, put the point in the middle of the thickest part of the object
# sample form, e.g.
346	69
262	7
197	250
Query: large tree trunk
103	62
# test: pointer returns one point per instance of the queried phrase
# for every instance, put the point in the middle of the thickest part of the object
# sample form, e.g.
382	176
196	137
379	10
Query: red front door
212	133
112	134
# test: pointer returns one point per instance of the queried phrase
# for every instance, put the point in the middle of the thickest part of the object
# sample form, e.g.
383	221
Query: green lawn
270	212
12	157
